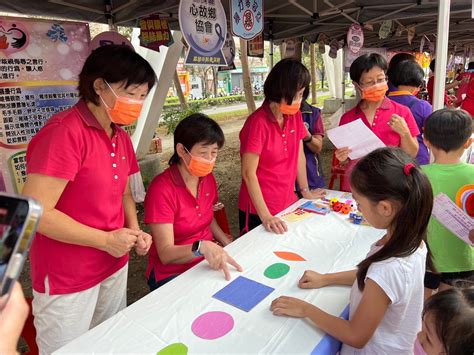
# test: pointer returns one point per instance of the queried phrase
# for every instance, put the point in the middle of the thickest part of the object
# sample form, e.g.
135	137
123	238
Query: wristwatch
308	139
196	248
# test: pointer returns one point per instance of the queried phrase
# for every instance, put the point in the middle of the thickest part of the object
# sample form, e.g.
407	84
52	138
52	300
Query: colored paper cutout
276	271
329	345
465	199
174	349
296	215
243	293
288	255
212	325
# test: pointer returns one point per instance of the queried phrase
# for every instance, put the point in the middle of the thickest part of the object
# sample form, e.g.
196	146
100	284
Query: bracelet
307	140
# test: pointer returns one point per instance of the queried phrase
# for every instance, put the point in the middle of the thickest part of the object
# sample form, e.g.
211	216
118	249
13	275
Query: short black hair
432	65
470	66
396	60
194	129
364	63
448	129
407	73
114	63
286	78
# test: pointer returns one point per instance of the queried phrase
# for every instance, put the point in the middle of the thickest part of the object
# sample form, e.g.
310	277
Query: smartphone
19	217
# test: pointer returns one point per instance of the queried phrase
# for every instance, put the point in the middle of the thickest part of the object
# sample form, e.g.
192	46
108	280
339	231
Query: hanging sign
204	28
385	29
229	52
109	37
155	32
399	31
246	18
322	41
40	61
290	48
255	47
355	38
368	26
333	48
422	43
411	33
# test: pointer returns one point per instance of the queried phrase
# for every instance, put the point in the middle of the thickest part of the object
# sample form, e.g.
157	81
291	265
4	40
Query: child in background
448	324
387	287
447	133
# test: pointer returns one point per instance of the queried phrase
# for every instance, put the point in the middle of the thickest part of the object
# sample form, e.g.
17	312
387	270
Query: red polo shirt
278	150
380	127
73	146
169	201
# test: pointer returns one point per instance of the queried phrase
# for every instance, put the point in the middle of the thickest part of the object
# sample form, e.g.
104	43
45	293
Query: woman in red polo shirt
393	123
271	150
179	205
78	167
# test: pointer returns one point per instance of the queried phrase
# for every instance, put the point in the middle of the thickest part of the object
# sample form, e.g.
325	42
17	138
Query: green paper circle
174	349
276	271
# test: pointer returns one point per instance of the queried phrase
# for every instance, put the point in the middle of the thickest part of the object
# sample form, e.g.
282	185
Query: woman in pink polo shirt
78	167
393	123
271	150
179	206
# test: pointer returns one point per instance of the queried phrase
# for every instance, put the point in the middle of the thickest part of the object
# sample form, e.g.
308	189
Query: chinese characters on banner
204	27
246	18
155	32
255	47
355	38
39	65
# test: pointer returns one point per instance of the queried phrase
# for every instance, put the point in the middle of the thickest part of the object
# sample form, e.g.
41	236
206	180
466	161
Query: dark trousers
153	284
253	221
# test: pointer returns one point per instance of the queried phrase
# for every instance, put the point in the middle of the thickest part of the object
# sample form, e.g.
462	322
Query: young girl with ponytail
386	299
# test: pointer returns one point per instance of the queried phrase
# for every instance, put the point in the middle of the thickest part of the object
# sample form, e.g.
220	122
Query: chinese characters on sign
204	27
255	47
355	38
39	65
246	18
155	32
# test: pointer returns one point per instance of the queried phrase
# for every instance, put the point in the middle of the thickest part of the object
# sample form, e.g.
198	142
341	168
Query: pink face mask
418	349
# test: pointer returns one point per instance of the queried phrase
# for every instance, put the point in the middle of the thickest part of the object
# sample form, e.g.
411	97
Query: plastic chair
337	171
29	331
222	221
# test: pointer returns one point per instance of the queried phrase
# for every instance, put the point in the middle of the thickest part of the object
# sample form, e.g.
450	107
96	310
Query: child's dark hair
452	312
379	176
194	129
407	73
364	63
448	129
396	60
286	78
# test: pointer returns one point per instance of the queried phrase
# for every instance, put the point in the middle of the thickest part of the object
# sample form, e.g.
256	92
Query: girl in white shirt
387	287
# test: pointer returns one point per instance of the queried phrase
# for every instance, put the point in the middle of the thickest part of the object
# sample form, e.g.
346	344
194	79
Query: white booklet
452	217
357	136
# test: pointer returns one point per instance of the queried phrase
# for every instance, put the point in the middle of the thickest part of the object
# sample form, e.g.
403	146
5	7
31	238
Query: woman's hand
143	243
120	241
342	154
399	125
218	258
289	306
275	224
313	194
312	279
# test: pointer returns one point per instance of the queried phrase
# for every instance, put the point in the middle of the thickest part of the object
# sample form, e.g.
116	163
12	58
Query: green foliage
173	116
172	103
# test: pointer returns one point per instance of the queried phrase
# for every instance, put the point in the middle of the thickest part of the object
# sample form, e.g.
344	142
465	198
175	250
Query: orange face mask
289	109
198	166
375	92
125	110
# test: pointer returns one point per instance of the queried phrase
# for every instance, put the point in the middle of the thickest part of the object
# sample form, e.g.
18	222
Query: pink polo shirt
169	201
380	126
73	146
278	150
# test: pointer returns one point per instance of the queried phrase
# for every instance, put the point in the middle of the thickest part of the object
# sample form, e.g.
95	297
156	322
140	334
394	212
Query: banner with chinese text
255	47
39	65
246	17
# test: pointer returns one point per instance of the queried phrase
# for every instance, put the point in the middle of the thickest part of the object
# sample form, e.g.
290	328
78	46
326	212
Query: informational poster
255	47
246	18
204	27
155	32
39	65
355	38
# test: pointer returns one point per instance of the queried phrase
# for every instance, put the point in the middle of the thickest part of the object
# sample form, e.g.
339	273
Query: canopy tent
283	18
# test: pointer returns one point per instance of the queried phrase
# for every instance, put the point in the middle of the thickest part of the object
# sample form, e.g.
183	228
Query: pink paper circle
212	325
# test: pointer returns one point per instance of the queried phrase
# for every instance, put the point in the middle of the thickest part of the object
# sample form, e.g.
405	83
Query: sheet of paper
452	217
243	293
357	136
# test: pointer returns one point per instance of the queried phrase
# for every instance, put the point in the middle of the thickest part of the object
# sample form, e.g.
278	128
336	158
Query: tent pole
343	102
441	54
271	54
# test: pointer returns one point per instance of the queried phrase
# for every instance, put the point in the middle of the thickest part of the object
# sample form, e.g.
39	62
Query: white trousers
59	319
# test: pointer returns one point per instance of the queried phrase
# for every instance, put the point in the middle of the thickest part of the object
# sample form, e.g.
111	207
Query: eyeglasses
372	83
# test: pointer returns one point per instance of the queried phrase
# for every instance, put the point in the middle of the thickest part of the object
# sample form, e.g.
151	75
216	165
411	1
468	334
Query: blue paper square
243	293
